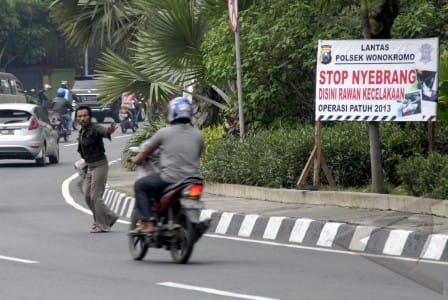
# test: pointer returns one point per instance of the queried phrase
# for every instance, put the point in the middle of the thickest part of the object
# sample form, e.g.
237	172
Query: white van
11	89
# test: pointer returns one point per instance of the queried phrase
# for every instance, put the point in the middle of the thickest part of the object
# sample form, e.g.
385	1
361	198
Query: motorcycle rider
181	146
64	85
64	108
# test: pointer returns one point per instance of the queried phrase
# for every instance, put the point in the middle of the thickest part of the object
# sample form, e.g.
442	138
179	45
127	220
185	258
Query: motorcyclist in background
64	108
64	85
181	146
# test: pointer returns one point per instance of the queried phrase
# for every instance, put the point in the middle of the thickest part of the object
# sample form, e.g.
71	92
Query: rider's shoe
144	228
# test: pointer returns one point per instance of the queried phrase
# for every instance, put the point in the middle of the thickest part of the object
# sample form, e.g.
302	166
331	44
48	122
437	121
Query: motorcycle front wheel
138	244
183	241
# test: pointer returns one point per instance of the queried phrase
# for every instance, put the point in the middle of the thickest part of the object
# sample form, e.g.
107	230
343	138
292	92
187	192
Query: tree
23	27
378	22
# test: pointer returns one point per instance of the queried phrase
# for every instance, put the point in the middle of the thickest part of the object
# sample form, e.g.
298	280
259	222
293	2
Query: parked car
85	92
26	133
11	89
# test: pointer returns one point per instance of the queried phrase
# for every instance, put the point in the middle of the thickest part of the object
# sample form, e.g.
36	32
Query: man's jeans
68	122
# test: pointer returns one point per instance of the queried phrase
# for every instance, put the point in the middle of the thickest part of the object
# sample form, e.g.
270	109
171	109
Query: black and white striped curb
366	118
308	232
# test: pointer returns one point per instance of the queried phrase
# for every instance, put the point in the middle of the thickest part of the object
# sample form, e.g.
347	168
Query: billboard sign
377	80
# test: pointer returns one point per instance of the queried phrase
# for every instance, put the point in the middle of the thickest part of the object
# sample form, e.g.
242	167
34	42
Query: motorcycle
126	122
177	217
59	123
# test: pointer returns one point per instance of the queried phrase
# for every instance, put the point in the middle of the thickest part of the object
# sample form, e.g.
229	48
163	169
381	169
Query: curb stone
309	232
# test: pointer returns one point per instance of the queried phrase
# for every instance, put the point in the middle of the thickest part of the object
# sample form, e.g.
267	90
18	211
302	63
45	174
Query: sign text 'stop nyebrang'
377	80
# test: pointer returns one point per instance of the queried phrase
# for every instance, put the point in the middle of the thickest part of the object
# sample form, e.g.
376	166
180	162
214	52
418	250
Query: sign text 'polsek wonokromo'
377	80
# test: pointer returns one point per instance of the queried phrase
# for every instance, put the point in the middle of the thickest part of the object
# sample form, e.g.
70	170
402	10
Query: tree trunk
375	159
377	26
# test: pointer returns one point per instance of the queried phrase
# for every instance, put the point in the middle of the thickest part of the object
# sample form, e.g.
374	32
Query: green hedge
425	176
276	157
265	158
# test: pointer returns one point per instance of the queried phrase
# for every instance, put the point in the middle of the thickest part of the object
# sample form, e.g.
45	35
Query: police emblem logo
325	54
425	51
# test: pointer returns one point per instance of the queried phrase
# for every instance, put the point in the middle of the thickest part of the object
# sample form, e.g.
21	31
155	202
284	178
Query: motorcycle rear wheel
183	242
138	244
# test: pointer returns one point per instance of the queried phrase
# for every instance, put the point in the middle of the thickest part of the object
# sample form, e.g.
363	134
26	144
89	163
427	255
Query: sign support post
233	18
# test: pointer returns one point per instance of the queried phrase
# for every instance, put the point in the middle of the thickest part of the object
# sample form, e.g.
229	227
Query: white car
26	133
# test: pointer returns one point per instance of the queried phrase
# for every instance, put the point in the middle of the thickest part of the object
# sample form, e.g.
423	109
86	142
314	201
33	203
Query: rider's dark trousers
146	190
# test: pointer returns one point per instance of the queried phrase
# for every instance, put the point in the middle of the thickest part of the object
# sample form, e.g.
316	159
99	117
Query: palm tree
107	23
154	45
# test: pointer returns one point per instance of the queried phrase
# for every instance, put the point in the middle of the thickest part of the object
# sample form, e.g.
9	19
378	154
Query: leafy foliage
138	138
345	146
427	177
442	106
399	142
211	137
277	156
266	158
23	27
111	23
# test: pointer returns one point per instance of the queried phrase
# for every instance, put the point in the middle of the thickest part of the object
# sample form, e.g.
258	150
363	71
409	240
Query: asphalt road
47	252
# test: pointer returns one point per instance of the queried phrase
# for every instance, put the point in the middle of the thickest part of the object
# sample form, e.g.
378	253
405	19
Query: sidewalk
362	222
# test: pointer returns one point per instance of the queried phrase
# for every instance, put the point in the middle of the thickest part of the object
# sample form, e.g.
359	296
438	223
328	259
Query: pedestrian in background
43	95
128	100
91	149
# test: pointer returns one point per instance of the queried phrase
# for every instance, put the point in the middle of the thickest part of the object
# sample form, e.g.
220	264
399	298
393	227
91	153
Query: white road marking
68	198
69	145
70	201
21	260
272	228
224	222
361	237
212	291
248	225
434	247
328	234
325	249
300	229
396	241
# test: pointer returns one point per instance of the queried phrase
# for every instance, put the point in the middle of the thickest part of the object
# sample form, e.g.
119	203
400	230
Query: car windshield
85	98
84	85
13	116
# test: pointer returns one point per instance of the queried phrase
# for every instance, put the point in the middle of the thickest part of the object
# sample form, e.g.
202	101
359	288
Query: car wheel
54	159
40	160
99	119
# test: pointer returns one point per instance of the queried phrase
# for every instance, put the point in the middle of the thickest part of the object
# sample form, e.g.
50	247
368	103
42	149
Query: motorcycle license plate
192	204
